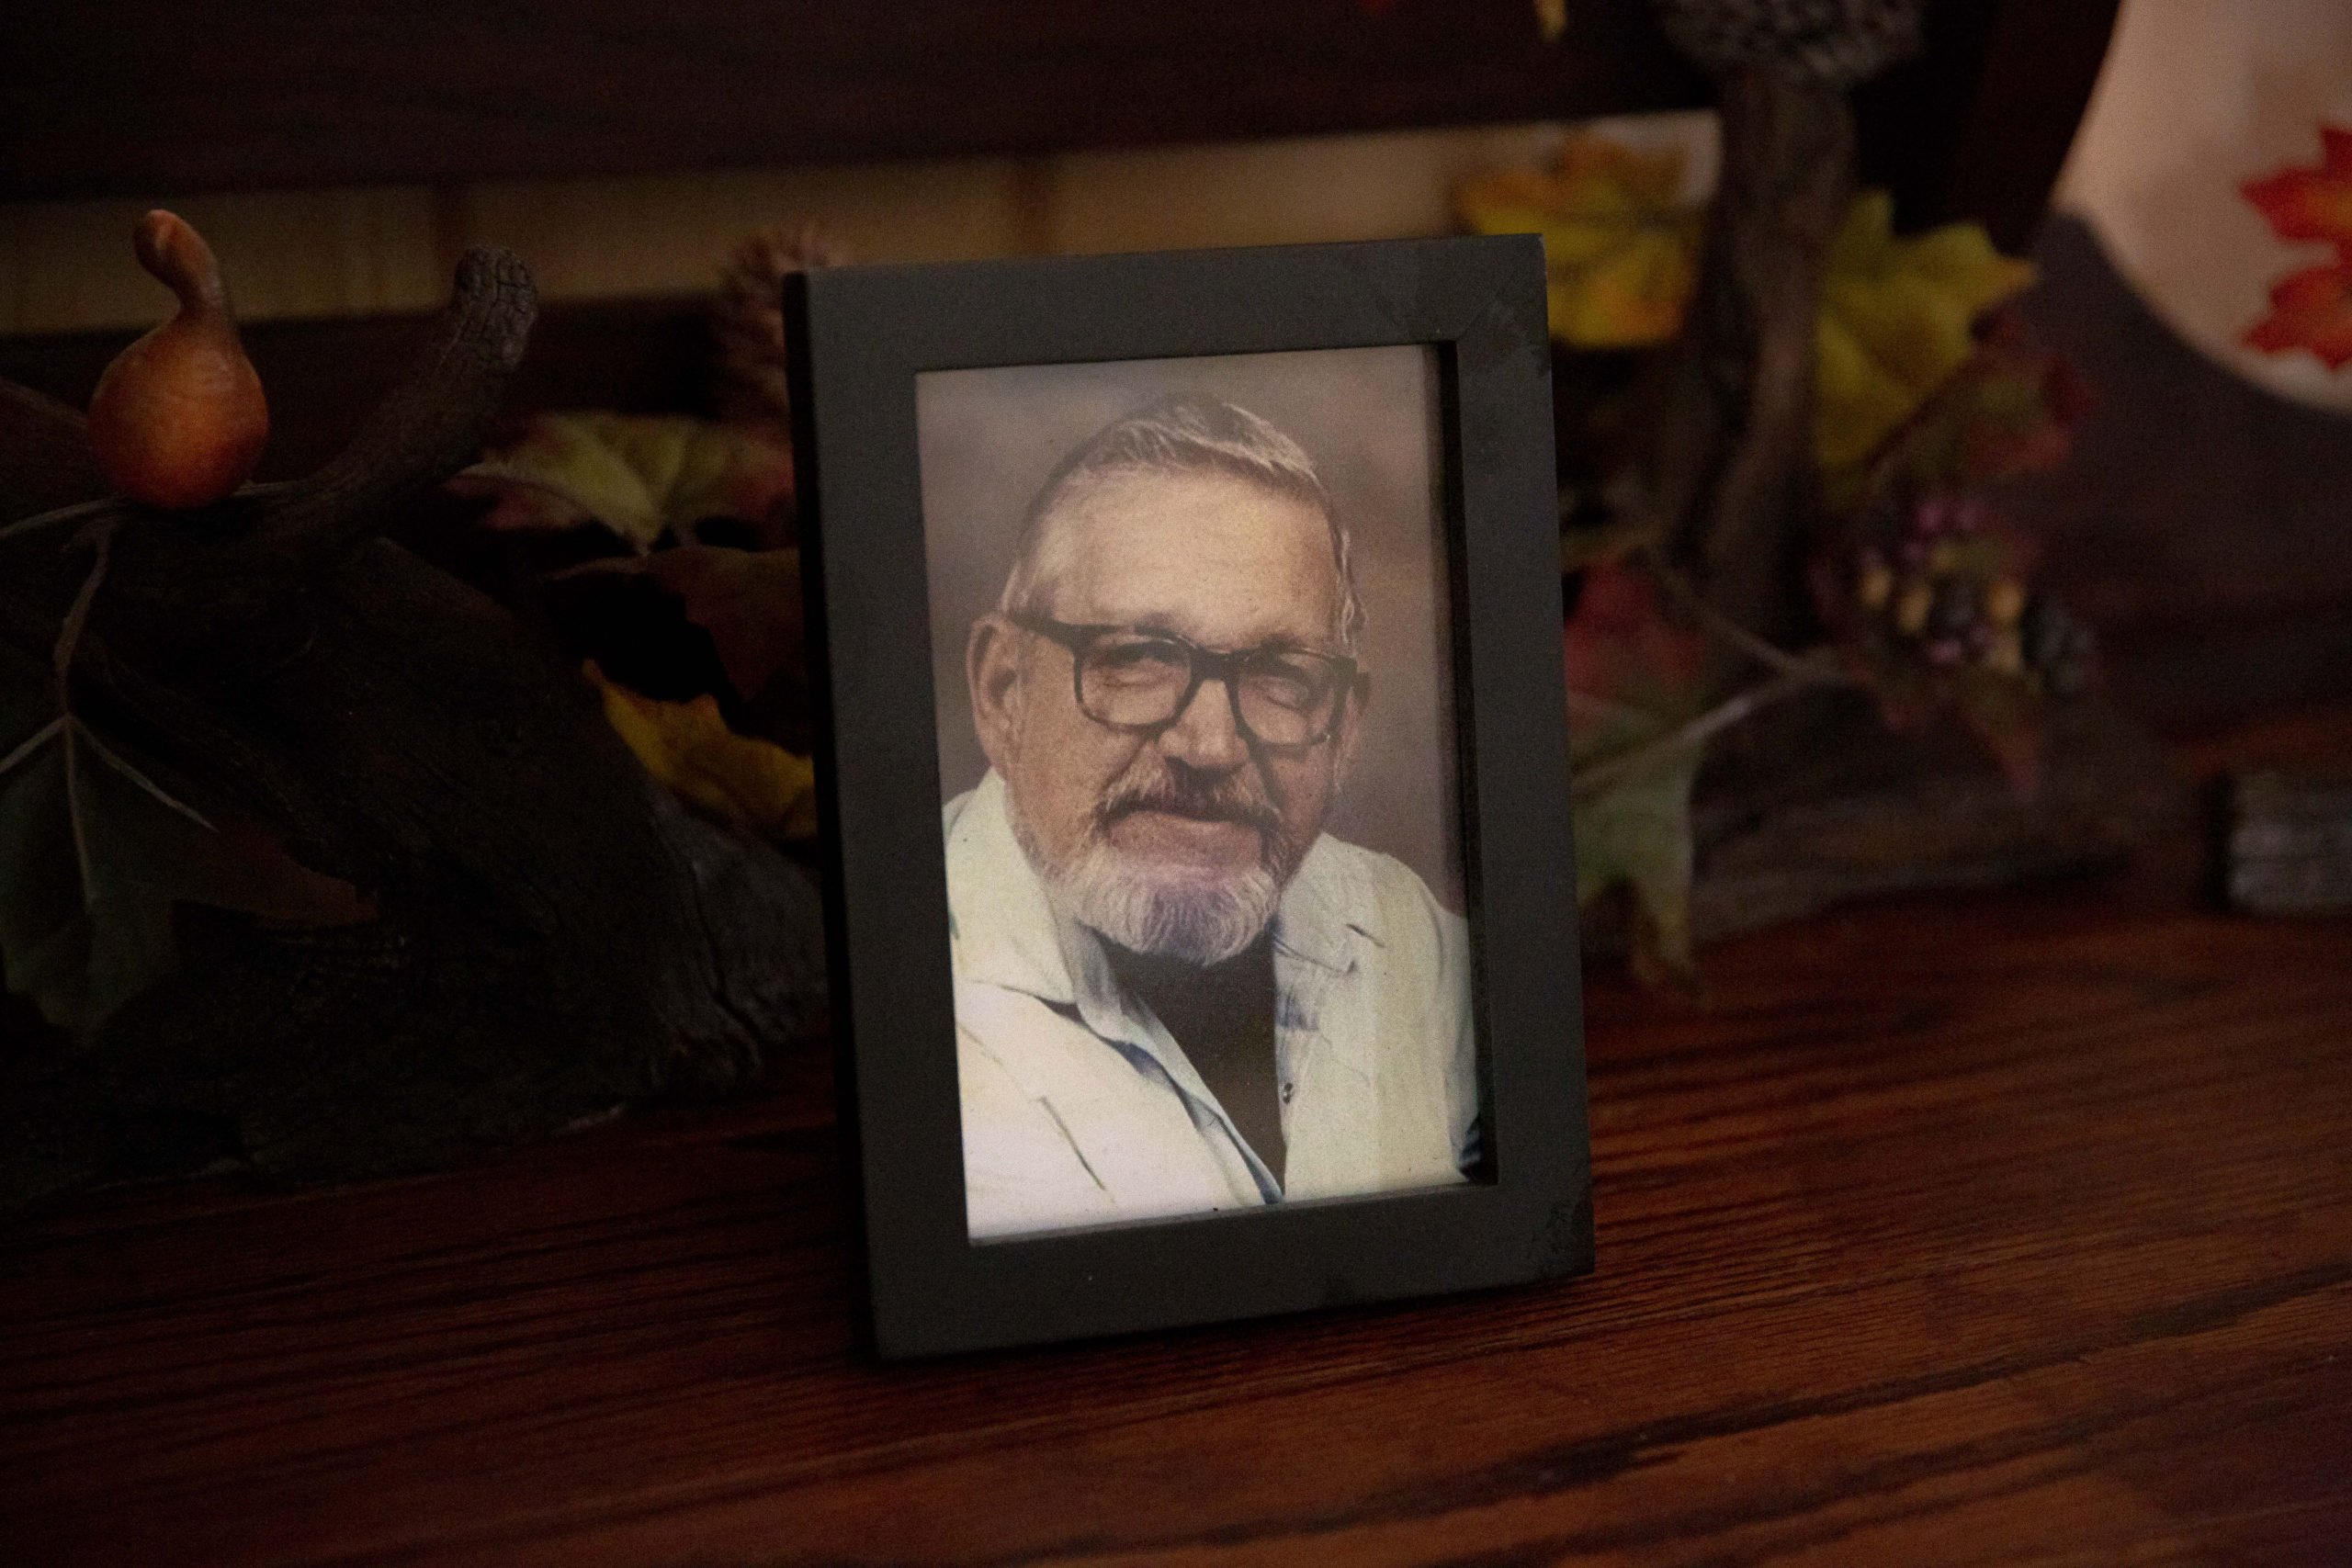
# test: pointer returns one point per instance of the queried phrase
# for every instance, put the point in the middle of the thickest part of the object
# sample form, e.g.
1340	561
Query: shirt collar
1007	933
1004	928
1314	922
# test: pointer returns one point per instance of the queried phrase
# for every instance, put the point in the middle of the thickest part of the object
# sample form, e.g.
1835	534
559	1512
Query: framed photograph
1187	628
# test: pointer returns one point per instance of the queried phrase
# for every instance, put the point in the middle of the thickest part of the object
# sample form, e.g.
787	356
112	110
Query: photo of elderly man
1175	992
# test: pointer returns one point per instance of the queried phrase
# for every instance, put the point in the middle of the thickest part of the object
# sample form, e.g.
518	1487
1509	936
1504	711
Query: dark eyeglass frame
1206	663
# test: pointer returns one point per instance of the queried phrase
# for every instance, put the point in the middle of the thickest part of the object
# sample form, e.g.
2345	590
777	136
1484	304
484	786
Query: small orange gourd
179	420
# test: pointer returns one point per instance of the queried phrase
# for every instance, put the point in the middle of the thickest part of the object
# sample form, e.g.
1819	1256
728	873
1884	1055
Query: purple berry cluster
1939	581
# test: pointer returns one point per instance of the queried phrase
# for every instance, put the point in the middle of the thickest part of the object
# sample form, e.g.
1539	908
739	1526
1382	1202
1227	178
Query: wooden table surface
2003	1228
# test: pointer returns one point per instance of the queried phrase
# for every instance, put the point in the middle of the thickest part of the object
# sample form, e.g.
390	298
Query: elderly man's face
1177	839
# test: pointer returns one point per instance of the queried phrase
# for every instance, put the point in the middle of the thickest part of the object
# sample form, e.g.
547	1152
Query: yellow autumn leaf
639	475
746	782
1621	245
1621	253
1896	322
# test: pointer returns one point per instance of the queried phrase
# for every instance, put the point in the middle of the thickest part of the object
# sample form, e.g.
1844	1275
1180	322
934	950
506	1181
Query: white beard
1195	922
1193	916
1181	917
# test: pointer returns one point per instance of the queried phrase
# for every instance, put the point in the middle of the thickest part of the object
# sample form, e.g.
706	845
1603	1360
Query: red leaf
2312	310
1620	645
2312	204
2015	407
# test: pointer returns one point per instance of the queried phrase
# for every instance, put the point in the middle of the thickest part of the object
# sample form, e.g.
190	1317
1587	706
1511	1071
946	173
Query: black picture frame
860	336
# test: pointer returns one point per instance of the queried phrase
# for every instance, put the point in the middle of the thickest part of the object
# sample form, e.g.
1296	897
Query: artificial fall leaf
93	858
748	783
639	475
1619	646
1633	676
2310	310
2012	409
1637	835
748	601
2312	204
2016	407
1620	245
1896	324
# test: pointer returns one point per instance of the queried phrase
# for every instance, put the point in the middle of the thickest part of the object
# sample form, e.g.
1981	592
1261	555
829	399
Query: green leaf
1636	833
1896	320
2012	409
93	857
636	474
1634	675
77	948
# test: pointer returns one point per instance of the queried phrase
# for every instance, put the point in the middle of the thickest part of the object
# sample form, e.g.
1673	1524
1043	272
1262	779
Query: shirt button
1289	1089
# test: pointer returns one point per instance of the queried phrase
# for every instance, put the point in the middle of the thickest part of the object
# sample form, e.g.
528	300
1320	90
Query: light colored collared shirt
1080	1110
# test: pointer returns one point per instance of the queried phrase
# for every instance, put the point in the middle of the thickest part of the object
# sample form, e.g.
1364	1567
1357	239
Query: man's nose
1205	736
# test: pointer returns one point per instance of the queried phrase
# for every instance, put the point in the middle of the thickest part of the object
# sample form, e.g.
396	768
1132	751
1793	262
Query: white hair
1188	432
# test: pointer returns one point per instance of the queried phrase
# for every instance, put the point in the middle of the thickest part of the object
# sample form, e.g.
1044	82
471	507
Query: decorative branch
1611	772
31	744
1731	466
1721	626
431	425
1586	705
56	515
154	791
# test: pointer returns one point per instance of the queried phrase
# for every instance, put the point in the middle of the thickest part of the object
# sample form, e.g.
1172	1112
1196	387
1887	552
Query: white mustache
1225	800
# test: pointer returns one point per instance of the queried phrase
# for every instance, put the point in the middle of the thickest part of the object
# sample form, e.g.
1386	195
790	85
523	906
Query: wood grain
2004	1229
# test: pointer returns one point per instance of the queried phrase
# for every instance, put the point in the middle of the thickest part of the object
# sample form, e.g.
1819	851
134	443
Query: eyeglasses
1125	678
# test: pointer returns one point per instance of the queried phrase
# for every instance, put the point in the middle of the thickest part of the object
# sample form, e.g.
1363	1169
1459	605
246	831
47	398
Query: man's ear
992	670
1350	728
